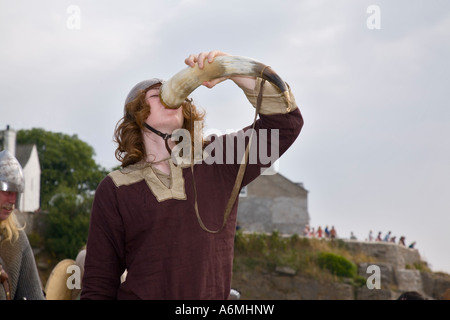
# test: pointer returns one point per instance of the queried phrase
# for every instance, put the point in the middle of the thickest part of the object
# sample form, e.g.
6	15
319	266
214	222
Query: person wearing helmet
19	276
170	225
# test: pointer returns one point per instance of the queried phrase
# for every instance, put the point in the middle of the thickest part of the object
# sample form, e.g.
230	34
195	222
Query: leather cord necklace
5	282
165	136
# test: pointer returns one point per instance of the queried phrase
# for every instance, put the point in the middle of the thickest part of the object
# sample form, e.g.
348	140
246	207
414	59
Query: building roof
23	153
276	185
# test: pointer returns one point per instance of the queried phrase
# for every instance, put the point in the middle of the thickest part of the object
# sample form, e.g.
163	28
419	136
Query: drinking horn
175	90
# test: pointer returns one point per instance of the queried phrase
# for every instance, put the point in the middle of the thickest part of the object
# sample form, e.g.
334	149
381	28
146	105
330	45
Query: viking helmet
11	175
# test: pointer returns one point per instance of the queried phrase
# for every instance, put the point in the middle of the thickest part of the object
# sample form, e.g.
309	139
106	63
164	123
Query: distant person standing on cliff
333	233
327	232
319	232
378	237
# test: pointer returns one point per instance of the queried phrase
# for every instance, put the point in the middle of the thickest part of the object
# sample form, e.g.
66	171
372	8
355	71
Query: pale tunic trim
273	100
144	171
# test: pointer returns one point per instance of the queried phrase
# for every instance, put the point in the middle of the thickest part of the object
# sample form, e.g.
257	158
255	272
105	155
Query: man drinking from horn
170	224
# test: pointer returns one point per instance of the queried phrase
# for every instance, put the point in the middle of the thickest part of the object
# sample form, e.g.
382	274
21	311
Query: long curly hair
128	131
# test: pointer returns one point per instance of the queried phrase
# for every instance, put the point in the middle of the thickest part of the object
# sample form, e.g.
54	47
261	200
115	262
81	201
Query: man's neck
156	151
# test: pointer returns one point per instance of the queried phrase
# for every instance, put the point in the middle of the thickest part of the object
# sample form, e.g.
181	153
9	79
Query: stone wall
273	202
265	215
397	267
398	256
393	260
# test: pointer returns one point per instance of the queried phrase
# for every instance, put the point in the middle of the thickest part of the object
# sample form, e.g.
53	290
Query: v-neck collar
161	192
144	171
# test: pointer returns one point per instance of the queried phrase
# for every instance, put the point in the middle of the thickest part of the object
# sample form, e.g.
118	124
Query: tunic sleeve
278	126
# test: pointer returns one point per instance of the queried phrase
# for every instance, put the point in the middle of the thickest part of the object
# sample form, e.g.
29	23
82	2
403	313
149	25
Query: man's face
7	202
161	118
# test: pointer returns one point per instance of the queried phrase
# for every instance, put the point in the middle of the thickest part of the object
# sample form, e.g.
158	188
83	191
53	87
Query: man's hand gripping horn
175	90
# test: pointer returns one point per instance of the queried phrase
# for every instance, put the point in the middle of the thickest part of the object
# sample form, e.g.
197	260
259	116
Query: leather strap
165	136
5	282
240	174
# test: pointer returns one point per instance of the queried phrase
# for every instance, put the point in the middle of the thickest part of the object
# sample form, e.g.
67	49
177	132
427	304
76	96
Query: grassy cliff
271	266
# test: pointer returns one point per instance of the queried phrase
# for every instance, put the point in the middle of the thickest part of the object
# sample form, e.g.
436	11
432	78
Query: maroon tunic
160	243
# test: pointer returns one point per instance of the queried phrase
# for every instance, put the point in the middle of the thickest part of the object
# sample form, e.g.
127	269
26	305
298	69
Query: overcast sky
370	77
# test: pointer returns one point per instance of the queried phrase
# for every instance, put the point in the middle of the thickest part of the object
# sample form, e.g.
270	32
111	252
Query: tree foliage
69	177
66	162
67	224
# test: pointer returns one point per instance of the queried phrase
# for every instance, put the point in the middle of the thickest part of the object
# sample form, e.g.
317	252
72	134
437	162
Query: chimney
10	140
